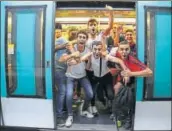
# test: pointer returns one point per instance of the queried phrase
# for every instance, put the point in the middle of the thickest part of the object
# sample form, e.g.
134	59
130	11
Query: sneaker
128	123
60	122
69	121
94	110
87	114
112	116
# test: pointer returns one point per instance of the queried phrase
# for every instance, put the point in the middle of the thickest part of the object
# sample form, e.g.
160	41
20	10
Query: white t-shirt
77	71
89	45
95	65
90	40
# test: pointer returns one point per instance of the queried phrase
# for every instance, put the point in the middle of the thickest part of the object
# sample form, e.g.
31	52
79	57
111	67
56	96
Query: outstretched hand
126	73
109	7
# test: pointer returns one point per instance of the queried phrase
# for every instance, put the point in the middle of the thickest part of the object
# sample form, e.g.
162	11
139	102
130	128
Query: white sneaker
112	116
94	110
69	121
87	114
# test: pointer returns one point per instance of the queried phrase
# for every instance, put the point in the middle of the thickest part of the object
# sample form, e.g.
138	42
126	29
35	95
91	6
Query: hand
126	80
69	47
126	73
72	62
76	54
109	7
104	53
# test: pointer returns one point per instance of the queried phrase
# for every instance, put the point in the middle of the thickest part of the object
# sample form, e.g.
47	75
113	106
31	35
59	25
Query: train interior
74	16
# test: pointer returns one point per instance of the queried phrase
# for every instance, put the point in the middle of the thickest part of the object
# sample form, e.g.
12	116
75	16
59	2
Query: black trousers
103	87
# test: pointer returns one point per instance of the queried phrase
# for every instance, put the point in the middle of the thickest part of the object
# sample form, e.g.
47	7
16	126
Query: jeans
69	92
60	80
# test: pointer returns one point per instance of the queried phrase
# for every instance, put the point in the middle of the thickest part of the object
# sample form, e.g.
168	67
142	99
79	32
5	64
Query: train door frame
47	63
143	103
98	8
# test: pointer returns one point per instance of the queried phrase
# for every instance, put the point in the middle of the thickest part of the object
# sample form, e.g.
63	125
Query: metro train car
28	79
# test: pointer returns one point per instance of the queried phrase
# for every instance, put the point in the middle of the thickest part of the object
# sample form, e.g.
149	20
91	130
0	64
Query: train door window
72	17
25	54
158	52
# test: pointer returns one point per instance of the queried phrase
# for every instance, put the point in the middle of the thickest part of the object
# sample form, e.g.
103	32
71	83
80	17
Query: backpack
125	97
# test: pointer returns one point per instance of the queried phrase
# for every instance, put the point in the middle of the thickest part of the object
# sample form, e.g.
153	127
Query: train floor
99	123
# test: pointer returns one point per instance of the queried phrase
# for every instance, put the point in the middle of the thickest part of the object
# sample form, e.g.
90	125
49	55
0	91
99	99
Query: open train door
26	64
153	106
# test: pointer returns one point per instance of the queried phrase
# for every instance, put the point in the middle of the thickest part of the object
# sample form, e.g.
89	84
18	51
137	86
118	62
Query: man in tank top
92	25
76	72
98	61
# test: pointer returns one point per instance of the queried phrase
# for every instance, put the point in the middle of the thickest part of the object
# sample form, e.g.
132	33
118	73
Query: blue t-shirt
59	53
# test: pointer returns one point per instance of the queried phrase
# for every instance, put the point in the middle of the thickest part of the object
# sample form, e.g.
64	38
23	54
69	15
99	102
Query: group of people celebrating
85	59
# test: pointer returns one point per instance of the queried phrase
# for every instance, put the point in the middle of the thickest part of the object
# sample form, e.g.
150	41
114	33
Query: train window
158	56
25	51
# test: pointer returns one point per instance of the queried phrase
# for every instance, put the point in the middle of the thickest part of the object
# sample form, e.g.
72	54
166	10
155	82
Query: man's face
129	37
58	33
92	27
124	50
81	39
73	35
97	49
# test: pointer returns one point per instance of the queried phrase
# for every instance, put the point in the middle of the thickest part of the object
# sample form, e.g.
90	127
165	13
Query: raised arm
117	60
66	57
110	24
144	73
62	46
86	56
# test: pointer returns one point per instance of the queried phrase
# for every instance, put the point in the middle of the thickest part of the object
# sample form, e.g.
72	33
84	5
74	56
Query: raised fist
109	7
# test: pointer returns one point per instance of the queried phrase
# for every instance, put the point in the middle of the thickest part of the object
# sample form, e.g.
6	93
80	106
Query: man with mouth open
93	29
135	69
103	81
76	72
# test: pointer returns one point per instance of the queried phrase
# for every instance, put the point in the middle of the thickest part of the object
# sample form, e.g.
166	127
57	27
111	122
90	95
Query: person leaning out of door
135	69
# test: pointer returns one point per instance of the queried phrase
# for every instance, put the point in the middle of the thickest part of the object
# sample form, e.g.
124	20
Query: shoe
60	122
128	123
69	121
112	116
94	111
87	114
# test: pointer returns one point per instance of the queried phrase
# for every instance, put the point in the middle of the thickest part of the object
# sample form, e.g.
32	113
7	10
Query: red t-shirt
132	63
